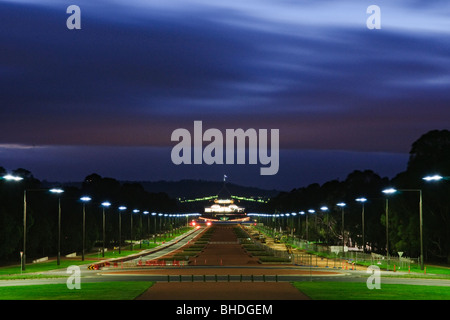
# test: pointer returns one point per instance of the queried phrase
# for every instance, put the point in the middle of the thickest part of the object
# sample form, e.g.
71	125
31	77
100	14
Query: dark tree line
430	154
42	214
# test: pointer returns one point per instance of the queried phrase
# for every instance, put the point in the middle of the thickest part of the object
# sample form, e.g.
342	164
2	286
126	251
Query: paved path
223	291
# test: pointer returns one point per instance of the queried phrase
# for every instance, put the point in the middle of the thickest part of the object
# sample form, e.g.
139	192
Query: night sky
107	98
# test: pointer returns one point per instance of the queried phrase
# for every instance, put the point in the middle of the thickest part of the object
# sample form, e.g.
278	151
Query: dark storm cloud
188	65
111	73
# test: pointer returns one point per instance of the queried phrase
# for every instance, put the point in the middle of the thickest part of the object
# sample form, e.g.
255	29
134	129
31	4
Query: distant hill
190	189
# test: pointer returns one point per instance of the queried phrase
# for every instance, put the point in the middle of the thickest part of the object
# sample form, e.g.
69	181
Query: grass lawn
359	291
89	291
113	254
41	267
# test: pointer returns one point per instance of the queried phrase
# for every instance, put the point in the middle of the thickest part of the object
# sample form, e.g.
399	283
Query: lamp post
362	201
315	219
391	191
121	208
154	226
165	226
146	213
58	191
342	205
160	228
324	209
25	191
432	178
131	227
24	230
84	199
294	214
306	224
10	177
388	192
142	234
105	205
299	225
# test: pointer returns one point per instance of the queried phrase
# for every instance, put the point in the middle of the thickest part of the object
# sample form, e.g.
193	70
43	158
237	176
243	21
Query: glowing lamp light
389	191
436	177
56	190
10	177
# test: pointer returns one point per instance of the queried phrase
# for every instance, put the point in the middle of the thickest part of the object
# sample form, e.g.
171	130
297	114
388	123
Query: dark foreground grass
89	291
359	291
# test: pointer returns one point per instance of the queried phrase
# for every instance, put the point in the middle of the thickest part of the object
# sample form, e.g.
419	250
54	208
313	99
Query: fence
333	257
224	278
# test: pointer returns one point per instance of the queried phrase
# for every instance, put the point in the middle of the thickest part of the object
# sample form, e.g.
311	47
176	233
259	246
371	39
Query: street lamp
121	208
58	191
306	224
392	190
325	209
84	199
342	205
388	191
315	220
131	228
293	214
362	201
25	220
165	225
105	204
432	178
154	226
10	177
146	213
